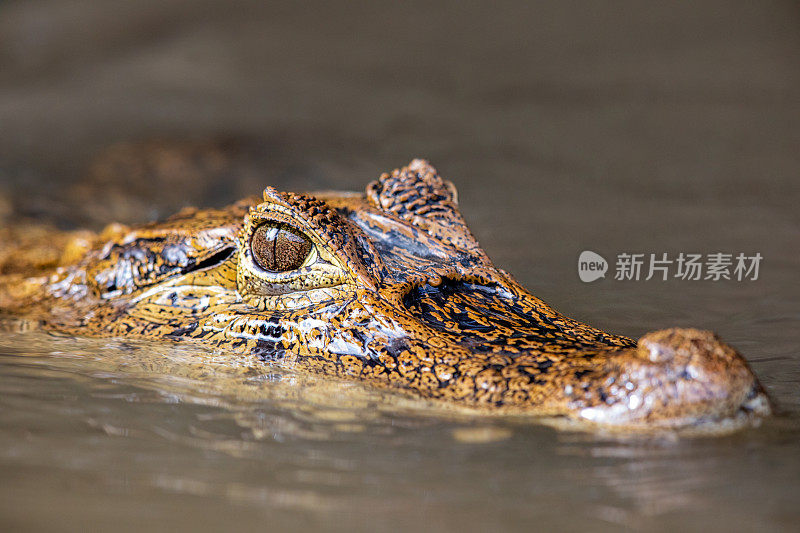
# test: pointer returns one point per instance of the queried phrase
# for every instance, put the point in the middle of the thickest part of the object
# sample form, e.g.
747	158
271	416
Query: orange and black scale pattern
395	291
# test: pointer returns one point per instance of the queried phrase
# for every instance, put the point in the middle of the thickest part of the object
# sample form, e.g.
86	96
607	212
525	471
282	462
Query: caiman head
391	288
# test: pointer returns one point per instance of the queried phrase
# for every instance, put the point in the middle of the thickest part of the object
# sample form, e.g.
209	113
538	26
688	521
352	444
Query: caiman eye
279	248
282	266
295	251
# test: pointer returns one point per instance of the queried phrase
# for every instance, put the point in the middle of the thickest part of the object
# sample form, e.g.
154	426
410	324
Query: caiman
388	287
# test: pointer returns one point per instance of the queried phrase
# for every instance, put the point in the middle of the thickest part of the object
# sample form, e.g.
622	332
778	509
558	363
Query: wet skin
387	287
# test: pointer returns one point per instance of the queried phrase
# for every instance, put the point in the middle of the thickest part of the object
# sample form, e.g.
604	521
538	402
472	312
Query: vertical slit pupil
279	248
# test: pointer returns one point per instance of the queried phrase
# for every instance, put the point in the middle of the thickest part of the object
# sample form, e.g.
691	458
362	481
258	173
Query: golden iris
279	248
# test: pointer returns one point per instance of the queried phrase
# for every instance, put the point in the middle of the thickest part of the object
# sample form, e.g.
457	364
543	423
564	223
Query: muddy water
564	128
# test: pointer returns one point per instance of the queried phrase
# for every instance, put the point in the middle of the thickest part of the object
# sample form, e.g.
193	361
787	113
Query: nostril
676	344
757	402
655	352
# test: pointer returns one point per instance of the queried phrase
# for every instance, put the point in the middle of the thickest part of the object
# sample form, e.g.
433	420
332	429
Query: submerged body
388	287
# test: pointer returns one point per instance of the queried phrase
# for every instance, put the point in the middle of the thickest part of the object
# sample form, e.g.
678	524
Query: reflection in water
136	421
650	478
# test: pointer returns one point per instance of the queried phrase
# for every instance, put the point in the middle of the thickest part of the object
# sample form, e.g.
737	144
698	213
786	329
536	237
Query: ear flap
417	194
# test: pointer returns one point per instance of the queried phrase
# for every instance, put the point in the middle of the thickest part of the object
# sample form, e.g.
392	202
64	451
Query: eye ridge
279	247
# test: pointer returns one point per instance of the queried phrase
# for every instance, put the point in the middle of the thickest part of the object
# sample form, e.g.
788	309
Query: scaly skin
401	296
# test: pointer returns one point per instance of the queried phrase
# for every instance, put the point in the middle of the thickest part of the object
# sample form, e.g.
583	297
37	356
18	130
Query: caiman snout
512	351
676	377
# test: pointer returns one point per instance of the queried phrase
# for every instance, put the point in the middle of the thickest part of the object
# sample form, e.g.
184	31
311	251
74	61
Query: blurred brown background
615	126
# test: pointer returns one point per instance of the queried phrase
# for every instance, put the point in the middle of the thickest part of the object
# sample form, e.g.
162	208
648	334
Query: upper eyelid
260	214
258	218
